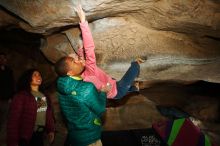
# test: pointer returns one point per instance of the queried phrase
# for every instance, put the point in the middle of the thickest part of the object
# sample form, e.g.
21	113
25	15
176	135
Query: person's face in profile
75	65
36	78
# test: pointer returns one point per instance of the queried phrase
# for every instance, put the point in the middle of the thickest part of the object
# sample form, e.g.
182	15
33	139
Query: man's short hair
61	67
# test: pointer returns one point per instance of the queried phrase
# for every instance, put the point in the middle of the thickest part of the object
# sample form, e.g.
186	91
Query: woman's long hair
24	82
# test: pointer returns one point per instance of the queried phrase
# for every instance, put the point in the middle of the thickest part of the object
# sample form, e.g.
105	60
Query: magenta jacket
22	117
92	72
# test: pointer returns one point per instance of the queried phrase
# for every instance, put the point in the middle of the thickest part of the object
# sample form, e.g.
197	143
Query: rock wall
179	38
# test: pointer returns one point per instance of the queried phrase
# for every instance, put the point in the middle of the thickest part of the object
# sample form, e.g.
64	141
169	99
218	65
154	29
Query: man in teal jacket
81	103
82	106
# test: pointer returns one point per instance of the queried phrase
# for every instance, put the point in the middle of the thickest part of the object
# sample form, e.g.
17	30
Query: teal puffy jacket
82	106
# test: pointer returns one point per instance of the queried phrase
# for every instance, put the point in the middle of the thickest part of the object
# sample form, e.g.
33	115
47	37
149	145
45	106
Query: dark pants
124	85
37	139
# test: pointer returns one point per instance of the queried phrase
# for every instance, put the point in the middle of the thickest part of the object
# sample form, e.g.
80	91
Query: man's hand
80	13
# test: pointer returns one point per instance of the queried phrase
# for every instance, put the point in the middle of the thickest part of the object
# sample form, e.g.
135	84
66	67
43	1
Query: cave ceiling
179	38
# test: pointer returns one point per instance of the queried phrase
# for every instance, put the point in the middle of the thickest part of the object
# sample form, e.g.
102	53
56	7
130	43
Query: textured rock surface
179	38
178	15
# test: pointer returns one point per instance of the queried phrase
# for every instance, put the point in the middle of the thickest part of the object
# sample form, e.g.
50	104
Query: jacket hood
66	85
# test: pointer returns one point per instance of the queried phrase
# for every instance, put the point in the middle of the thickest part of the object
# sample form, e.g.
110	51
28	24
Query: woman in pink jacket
88	70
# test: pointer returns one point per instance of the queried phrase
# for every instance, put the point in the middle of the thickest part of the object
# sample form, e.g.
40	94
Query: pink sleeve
88	44
80	53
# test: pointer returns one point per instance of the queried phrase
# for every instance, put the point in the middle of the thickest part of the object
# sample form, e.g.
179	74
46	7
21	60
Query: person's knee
135	65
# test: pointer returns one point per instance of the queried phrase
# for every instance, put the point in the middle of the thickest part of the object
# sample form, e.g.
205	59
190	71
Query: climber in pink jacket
85	67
